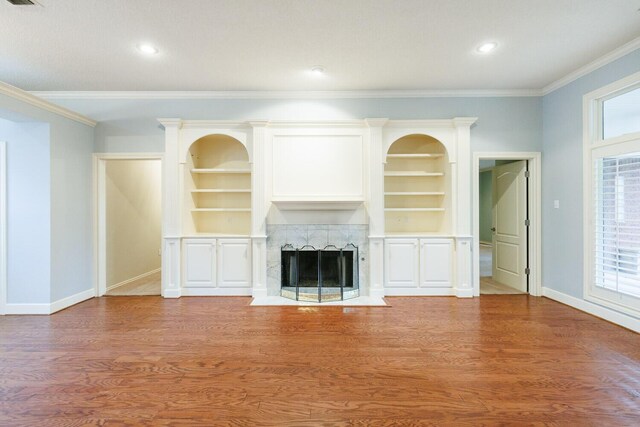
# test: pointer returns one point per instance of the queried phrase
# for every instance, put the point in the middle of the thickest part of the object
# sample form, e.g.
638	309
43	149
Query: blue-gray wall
63	166
562	237
131	125
28	211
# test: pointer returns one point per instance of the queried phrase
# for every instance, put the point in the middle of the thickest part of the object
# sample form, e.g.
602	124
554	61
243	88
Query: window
612	198
621	114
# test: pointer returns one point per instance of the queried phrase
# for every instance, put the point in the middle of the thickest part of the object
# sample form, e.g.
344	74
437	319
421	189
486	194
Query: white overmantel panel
317	166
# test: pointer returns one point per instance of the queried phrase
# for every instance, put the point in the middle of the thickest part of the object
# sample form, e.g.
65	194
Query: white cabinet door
435	262
401	263
199	263
234	263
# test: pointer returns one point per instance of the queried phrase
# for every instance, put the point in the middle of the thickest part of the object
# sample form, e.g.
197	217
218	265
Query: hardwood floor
149	285
507	359
488	286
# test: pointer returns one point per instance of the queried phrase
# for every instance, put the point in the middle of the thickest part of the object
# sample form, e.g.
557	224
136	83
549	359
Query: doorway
506	223
129	224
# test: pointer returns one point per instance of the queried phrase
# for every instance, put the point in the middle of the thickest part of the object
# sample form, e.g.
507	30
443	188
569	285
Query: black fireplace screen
327	274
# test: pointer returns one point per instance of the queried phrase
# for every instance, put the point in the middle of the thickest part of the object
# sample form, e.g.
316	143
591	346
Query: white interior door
509	227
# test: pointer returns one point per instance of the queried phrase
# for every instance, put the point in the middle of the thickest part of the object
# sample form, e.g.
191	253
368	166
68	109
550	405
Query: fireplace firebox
319	275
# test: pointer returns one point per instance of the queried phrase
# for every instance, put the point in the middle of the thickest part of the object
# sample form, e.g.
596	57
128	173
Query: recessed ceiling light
317	71
147	49
487	47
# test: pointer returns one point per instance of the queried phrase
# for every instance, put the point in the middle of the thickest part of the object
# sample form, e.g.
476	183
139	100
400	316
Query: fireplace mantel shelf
319	203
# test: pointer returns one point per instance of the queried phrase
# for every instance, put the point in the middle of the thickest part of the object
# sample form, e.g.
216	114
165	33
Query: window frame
595	147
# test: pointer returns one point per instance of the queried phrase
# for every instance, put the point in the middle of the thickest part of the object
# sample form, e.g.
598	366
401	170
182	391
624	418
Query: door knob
493	229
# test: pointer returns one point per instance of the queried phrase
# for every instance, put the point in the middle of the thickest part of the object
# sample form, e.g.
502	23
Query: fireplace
319	274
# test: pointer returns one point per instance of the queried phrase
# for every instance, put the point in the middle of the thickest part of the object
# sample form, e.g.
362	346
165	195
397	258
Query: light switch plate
556	204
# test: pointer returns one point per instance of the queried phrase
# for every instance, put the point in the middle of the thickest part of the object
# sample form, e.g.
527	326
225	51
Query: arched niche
217	187
417	186
192	136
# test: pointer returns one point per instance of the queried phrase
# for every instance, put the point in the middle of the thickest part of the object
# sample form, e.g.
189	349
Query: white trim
36	101
592	66
593	143
63	303
617	86
99	211
535	215
3	227
286	94
431	292
133	279
17	308
54	307
218	292
593	309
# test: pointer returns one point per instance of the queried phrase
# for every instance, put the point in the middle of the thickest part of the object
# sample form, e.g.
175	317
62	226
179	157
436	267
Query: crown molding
29	98
284	94
592	66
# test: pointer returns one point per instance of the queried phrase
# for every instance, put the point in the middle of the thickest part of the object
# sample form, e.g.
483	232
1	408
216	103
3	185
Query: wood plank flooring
507	360
149	285
488	286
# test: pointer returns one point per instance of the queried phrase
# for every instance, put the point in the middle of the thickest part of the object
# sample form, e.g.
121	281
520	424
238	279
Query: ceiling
260	45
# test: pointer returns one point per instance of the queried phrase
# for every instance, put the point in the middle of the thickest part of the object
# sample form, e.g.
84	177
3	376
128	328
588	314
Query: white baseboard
133	279
376	292
419	292
171	293
216	292
11	308
54	307
594	309
63	303
464	293
259	293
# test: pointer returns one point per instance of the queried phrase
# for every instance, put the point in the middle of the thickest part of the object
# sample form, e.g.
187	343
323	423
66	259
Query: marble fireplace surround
319	236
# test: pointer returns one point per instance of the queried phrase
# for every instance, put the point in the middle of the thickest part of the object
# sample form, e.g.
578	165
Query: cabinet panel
199	263
234	263
401	263
435	262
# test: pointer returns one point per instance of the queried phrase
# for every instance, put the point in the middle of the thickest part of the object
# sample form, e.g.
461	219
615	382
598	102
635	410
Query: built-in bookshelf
416	186
218	187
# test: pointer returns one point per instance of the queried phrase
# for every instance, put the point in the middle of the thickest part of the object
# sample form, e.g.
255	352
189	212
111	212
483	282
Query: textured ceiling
272	44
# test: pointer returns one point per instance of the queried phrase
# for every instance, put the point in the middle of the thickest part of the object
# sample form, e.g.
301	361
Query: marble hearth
319	236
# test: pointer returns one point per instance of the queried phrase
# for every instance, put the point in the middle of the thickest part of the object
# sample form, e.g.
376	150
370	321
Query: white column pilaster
462	210
171	210
259	209
376	207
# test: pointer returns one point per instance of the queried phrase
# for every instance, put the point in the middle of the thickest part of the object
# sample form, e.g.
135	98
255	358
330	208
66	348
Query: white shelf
412	173
414	193
327	204
219	190
414	209
414	156
221	210
222	171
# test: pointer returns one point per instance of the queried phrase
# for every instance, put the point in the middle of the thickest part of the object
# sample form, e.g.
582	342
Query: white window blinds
617	224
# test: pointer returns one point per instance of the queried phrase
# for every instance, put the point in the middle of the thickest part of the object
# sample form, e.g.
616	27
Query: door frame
3	228
99	211
535	214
